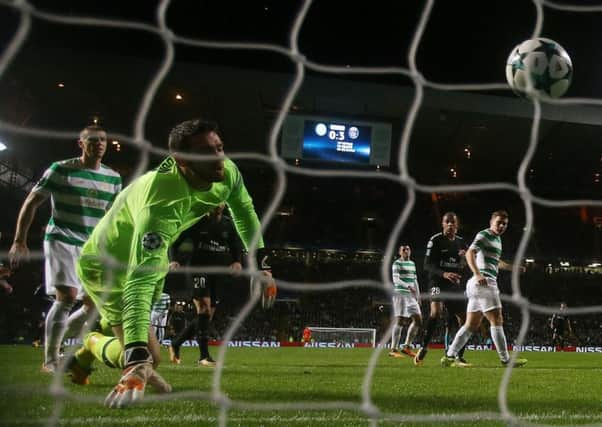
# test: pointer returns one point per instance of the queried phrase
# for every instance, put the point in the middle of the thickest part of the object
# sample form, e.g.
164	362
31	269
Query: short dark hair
178	136
501	213
449	213
91	128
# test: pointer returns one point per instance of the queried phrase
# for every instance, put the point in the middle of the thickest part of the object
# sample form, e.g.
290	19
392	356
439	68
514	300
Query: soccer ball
544	62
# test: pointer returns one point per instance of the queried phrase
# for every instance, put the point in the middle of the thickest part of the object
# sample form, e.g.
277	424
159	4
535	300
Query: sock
429	330
56	324
462	350
202	335
499	339
187	333
459	341
76	321
412	331
100	347
396	335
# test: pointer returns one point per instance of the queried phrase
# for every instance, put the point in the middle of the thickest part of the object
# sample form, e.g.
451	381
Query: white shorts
482	298
158	319
60	266
405	305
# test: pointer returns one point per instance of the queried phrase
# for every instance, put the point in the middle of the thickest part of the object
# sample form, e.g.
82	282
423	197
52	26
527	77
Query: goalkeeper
125	260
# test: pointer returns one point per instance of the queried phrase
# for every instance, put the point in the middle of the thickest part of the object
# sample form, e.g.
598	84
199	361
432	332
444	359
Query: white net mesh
27	13
343	336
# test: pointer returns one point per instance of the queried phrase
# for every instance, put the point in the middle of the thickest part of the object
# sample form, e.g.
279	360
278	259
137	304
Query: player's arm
154	230
432	262
248	226
19	249
503	265
471	260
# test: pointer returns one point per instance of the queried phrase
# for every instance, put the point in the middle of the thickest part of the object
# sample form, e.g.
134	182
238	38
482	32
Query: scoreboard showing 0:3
333	140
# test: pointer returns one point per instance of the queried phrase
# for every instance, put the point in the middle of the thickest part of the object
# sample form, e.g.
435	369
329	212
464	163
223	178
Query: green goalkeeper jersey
125	260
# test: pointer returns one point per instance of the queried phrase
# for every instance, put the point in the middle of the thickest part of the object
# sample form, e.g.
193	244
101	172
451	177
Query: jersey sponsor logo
151	241
166	166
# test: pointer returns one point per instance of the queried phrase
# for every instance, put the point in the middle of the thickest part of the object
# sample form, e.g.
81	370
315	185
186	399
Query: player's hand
236	267
4	272
522	268
452	277
270	290
130	389
17	253
481	279
6	288
174	265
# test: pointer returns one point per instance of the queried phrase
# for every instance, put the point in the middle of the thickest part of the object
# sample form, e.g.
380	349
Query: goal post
362	336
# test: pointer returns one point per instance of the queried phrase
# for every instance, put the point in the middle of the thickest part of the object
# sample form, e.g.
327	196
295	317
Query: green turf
554	388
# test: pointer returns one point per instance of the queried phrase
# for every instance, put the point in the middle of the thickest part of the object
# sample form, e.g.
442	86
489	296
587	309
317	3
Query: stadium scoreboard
336	140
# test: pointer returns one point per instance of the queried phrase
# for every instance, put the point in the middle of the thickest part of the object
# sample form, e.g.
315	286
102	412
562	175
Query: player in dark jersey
561	327
443	263
215	242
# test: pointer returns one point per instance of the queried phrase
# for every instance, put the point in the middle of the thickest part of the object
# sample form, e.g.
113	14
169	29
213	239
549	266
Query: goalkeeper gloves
137	373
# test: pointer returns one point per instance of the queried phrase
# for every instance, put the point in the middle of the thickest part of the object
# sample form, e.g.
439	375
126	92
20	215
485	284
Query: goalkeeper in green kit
124	262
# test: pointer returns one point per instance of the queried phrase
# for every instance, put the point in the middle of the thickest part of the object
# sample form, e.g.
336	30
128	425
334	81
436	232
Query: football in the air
542	63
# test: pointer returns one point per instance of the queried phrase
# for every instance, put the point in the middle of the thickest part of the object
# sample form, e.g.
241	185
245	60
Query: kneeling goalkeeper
125	260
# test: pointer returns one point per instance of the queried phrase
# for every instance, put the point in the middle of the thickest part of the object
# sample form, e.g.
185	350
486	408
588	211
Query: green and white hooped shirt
488	248
404	275
79	198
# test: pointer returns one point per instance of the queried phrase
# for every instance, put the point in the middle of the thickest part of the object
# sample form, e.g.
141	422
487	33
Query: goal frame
324	329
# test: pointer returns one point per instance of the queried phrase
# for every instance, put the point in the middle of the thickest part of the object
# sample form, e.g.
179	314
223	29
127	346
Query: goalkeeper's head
190	140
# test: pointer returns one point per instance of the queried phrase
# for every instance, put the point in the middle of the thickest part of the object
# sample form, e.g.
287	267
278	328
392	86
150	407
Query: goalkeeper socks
396	335
106	349
203	335
499	339
56	324
429	330
412	331
76	321
459	341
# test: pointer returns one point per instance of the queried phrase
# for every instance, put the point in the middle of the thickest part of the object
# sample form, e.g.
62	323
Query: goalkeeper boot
517	363
419	359
78	373
406	350
395	353
447	361
207	362
174	354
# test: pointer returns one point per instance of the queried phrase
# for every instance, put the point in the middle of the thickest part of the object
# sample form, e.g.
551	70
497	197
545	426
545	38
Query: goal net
156	98
353	337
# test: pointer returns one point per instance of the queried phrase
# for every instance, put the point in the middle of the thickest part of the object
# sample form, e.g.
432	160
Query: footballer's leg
204	317
498	337
56	325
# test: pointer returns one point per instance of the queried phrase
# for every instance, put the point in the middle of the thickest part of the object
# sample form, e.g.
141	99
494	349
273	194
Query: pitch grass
554	388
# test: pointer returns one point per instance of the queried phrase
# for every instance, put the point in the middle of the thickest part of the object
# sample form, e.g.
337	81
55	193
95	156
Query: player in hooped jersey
81	190
444	262
405	302
483	258
146	218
